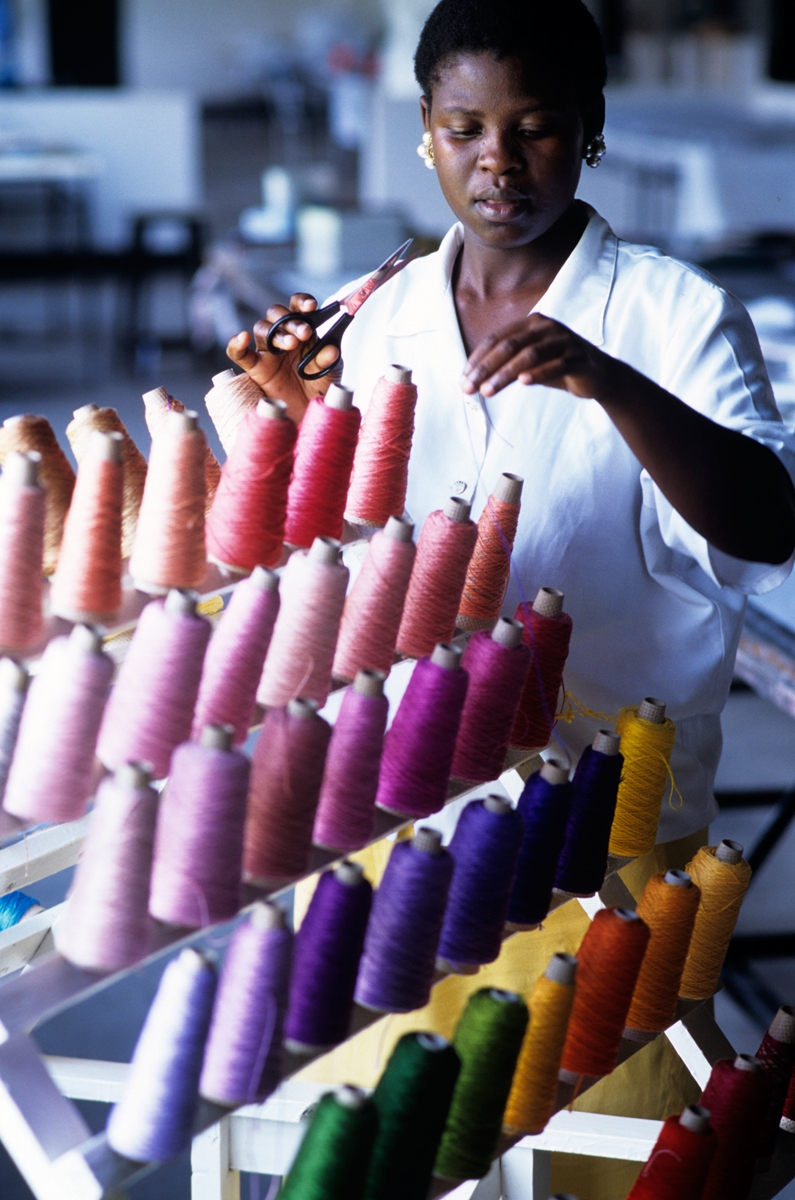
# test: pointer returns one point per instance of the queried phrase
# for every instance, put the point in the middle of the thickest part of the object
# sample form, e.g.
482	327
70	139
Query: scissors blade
389	267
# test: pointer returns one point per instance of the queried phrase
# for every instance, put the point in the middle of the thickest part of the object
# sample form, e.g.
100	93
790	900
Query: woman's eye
463	133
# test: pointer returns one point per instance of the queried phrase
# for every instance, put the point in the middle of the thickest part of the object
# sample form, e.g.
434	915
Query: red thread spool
679	1163
381	464
776	1053
22	507
548	634
497	664
323	463
490	565
737	1096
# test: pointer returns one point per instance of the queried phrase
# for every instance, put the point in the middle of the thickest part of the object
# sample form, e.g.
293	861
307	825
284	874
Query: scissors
352	303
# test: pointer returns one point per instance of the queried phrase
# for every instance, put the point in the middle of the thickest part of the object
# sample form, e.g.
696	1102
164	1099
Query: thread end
306	710
264	579
555	772
507	632
562	968
265	915
85	639
729	852
606	742
369	682
22	470
133	775
747	1062
397	374
350	1097
349	873
217	737
548	602
447	656
652	709
678	879
495	803
339	397
399	529
13	676
696	1119
325	550
457	510
181	602
782	1027
509	488
106	446
427	841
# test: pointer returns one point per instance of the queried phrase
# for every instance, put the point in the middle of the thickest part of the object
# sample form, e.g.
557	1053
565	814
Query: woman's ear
593	119
425	109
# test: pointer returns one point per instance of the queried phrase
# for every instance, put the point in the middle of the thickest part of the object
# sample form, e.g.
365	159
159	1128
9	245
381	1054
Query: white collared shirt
657	611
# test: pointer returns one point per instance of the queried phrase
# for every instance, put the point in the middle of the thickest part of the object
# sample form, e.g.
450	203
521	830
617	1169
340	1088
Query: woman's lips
502	210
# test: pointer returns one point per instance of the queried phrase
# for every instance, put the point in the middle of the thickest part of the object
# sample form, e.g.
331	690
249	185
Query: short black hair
561	34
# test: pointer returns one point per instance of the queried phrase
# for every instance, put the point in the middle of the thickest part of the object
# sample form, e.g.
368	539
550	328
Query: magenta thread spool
346	810
243	1057
497	663
583	860
105	925
153	1120
14	683
328	947
234	658
399	960
150	711
52	771
544	807
484	849
199	842
418	749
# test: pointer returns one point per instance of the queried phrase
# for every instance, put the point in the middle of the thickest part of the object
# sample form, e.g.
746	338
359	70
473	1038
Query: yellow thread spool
647	741
535	1083
668	906
723	876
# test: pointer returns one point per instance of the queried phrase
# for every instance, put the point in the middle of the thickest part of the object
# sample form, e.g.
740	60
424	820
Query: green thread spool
334	1157
488	1040
412	1099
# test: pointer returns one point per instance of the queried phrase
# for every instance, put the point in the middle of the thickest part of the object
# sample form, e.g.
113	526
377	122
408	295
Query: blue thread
13	908
583	861
544	808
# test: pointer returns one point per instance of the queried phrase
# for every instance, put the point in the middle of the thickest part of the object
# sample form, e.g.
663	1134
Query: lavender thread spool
14	682
497	662
544	807
328	949
583	860
397	967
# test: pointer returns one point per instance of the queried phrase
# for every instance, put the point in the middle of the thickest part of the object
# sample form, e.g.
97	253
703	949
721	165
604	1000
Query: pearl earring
425	151
595	151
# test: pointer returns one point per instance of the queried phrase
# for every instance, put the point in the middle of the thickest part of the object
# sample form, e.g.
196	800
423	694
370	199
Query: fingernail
487	390
467	386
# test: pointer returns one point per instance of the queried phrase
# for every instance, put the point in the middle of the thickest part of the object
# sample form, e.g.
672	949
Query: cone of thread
381	464
669	909
29	433
497	674
444	549
647	747
84	423
323	463
736	1096
723	886
547	632
231	398
583	860
531	1102
14	683
334	1157
158	405
776	1053
22	522
490	565
678	1165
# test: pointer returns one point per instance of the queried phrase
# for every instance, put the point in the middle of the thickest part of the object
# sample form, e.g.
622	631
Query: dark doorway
782	41
84	42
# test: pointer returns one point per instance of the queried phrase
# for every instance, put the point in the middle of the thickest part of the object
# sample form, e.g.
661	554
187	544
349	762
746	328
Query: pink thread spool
199	840
105	925
52	771
323	464
235	655
497	663
302	647
371	616
381	464
150	710
22	506
346	811
444	549
14	682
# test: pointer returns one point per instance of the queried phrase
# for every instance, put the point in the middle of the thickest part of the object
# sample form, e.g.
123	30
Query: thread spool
90	419
328	948
397	966
609	958
105	925
497	664
647	742
488	1040
544	807
168	551
444	549
323	463
678	1165
776	1053
583	861
301	652
668	906
286	773
531	1102
26	434
14	682
245	526
412	1100
158	406
490	566
484	848
87	583
150	710
722	876
374	605
737	1096
346	809
16	907
153	1120
52	771
547	632
334	1157
235	655
229	401
22	524
381	464
243	1057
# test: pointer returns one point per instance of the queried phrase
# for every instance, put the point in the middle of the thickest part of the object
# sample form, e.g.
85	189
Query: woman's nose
499	153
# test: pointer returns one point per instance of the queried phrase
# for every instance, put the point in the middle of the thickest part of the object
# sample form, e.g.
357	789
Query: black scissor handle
332	338
313	319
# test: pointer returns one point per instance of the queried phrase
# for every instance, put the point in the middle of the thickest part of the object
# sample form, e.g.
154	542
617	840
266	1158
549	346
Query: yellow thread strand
573	708
723	886
532	1099
647	748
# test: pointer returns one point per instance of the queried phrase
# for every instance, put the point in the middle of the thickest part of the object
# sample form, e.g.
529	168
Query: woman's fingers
526	360
241	351
500	348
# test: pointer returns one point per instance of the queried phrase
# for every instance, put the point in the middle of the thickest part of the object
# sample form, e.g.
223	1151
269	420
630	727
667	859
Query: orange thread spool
56	476
230	398
157	406
381	464
87	583
444	549
84	422
668	906
22	506
723	876
490	566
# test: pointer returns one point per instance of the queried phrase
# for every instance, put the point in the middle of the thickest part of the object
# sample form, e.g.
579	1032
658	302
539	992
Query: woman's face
508	148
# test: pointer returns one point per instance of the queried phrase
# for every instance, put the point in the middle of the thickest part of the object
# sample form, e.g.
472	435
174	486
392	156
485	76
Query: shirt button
458	487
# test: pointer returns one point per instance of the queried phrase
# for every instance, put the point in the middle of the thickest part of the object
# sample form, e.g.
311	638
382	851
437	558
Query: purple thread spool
485	848
153	1120
583	860
346	810
418	749
544	807
328	947
237	649
399	959
150	710
243	1059
497	663
199	843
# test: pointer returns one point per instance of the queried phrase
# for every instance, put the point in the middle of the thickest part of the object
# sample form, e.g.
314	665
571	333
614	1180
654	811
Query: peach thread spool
84	422
229	400
87	582
14	683
26	433
169	542
722	876
323	463
647	742
444	549
490	565
52	771
22	509
535	1083
381	464
157	406
105	925
302	647
668	906
374	605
